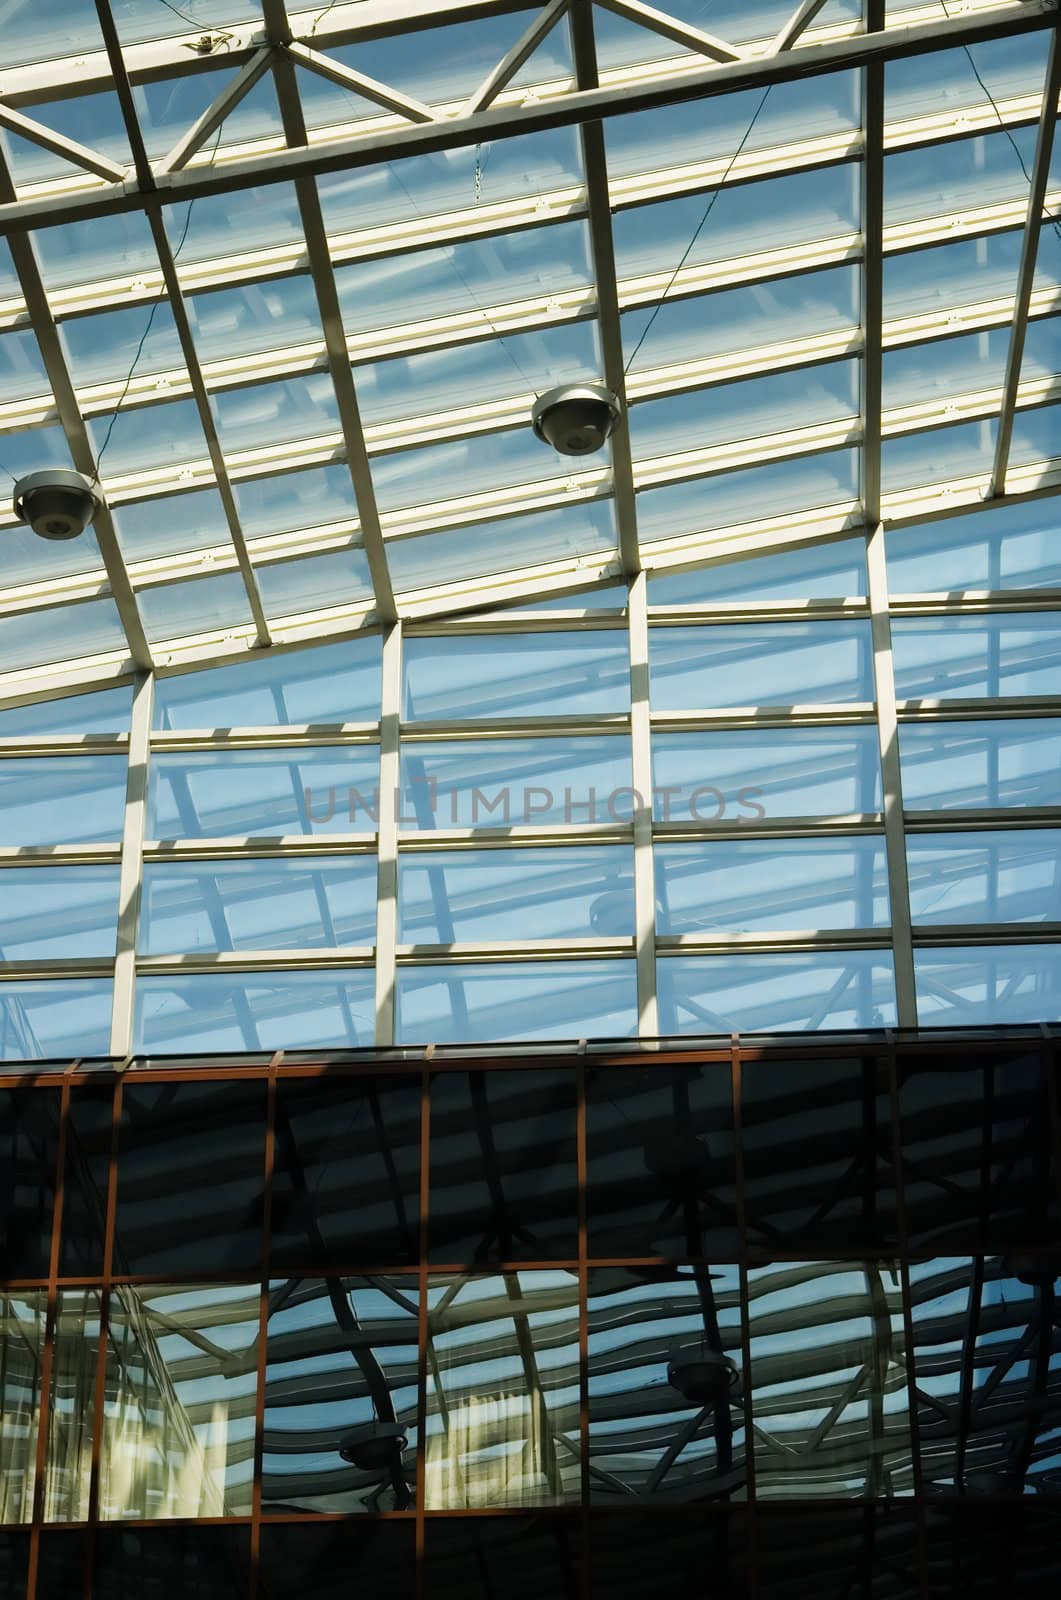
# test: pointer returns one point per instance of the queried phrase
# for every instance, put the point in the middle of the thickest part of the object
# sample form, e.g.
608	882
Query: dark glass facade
771	1318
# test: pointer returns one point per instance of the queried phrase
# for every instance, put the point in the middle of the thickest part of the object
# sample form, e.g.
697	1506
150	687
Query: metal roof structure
288	281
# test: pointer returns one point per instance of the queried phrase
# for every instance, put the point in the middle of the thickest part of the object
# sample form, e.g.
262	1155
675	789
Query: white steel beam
130	890
645	931
387	867
797	25
1026	274
668	27
211	119
88	160
513	60
380	94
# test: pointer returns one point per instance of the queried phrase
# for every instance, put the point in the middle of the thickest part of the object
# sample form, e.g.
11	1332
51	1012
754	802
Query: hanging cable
699	227
1003	124
149	324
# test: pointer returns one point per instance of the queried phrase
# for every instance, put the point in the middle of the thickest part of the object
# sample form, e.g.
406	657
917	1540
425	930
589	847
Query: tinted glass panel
520	1000
509	894
741	885
258	905
751	773
29	1145
749	665
336	683
477	1558
21	1347
519	675
202	1563
495	783
503	1171
776	993
216	1011
319	1560
61	799
346	1172
229	793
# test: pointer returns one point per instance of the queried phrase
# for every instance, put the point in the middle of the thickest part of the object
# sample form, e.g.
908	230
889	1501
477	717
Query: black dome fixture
1036	1271
577	419
374	1446
57	502
702	1376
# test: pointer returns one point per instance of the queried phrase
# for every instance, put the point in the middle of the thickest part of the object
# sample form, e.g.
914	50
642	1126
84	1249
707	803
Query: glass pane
1011	547
107	711
778	491
461	1003
503	1170
769	772
830	1395
986	1313
227	794
204	1563
478	1558
502	1391
747	664
750	409
215	1012
259	905
341	1395
793	1546
666	1420
493	783
776	994
88	1149
488	549
58	912
55	1019
964	765
330	683
346	1174
819	572
744	885
178	1425
319	1558
978	1169
72	1406
22	1319
819	1155
660	1165
515	894
988	984
191	1178
976	657
985	877
29	1153
516	675
61	799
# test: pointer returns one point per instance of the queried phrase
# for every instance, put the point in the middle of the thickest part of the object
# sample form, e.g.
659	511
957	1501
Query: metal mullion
24	255
48	1353
891	779
595	163
641	778
323	276
1008	18
1026	275
263	1327
132	869
387	859
179	311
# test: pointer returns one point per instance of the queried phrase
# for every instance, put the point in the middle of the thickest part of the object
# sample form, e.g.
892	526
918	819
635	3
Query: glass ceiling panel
736	21
43	29
62	633
492	548
426	186
943	80
962	273
101	348
171	523
981	170
725	413
822	571
316	582
94	120
730	498
194	606
1009	547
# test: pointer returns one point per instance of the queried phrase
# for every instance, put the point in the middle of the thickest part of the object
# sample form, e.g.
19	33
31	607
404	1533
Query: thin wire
177	12
471	292
1007	130
699	227
150	321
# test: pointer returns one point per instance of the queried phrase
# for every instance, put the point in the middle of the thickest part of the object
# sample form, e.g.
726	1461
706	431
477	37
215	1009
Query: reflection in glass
72	1404
196	1562
341	1395
665	1414
989	1373
22	1316
503	1166
232	793
178	1424
319	1559
29	1141
502	1391
545	894
464	1002
660	1162
745	773
345	1185
830	1397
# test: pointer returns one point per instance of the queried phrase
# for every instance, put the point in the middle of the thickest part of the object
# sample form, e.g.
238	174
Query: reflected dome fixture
374	1446
58	503
702	1376
577	419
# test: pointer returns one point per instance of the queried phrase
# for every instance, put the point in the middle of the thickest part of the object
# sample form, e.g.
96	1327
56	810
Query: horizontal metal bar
1006	17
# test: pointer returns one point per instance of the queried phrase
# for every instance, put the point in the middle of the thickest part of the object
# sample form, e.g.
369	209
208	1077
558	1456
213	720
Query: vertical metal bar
123	1010
1033	227
387	836
48	1354
872	268
110	1224
423	1326
263	1326
582	1170
747	1387
600	227
891	779
641	758
330	311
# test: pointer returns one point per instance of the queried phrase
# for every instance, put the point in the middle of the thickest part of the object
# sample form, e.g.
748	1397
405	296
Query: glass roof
286	281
